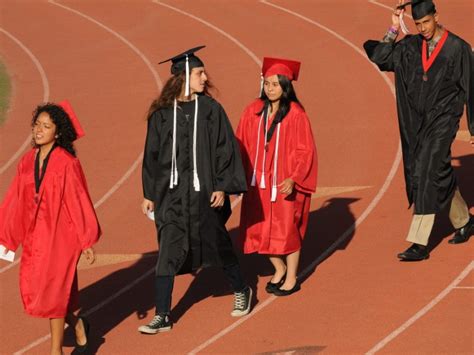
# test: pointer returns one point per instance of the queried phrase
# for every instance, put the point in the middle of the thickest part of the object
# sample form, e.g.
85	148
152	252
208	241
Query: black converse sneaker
242	302
158	324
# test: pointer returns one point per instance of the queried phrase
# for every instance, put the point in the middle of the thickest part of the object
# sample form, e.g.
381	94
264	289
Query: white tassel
254	178
403	26
275	166
197	186
174	169
261	85
274	194
186	90
262	181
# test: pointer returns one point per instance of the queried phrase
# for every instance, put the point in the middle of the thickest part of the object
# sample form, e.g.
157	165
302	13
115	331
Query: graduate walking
47	209
434	80
280	161
191	164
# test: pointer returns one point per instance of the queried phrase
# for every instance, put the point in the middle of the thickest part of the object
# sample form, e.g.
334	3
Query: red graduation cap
286	67
66	106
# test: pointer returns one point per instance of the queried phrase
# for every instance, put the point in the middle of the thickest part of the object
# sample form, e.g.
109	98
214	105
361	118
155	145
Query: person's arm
150	162
79	206
382	52
229	175
11	231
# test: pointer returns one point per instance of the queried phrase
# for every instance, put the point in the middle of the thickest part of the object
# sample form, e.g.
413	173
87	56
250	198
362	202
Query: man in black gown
191	164
434	80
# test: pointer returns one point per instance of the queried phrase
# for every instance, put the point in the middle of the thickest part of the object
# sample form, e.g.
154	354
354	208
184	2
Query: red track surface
358	294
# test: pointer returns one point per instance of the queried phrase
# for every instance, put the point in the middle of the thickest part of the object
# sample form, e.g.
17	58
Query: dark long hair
288	96
64	129
172	90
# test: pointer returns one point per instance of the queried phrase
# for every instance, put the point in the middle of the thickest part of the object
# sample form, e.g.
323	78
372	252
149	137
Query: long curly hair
65	132
172	89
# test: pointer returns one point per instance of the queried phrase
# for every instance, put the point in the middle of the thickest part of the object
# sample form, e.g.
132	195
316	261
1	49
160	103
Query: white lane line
362	217
386	7
464	287
422	311
92	310
9	266
215	28
44	82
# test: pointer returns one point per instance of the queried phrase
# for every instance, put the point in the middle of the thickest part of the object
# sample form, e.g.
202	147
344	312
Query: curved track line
215	28
422	311
362	217
157	80
386	7
45	83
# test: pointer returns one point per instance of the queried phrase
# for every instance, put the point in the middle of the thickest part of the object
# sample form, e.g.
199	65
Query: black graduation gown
191	234
428	112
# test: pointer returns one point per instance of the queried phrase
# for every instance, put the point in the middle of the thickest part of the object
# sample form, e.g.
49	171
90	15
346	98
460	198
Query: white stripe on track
215	28
422	311
386	7
44	82
362	217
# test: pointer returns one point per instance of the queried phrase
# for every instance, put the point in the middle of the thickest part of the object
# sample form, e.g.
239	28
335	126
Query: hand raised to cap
396	15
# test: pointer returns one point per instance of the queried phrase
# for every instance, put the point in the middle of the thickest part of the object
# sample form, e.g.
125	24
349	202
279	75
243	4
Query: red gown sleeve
304	159
244	136
11	233
79	205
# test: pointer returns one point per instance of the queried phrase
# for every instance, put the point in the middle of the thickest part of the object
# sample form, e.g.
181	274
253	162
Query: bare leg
280	268
292	261
78	327
57	335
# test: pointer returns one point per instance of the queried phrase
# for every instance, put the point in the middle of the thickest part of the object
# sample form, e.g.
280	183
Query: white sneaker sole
245	311
145	330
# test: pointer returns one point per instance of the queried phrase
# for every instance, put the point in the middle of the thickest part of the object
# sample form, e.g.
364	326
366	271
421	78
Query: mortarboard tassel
186	90
174	169
275	166
403	25
197	186
261	84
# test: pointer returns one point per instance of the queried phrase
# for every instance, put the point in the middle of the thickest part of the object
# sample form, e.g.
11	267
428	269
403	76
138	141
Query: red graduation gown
277	227
53	231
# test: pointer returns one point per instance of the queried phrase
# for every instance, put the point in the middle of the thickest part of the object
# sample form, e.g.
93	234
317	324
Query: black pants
164	287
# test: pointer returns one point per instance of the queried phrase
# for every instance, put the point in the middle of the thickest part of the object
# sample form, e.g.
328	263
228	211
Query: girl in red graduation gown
47	210
280	160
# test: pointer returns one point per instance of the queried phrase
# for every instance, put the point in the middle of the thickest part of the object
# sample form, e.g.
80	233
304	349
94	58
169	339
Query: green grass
5	91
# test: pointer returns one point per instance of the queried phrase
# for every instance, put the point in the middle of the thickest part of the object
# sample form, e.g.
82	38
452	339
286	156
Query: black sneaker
242	302
158	324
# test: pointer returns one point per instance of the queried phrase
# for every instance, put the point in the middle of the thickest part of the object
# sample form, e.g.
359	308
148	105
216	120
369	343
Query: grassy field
5	90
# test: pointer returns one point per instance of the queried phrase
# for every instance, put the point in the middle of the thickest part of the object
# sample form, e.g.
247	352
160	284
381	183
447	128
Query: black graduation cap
185	62
179	61
420	8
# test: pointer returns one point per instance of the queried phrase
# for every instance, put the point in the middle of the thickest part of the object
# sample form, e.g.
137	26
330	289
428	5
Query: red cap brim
66	106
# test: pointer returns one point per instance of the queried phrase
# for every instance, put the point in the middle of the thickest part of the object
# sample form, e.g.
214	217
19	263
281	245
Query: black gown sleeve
384	54
229	175
150	157
467	83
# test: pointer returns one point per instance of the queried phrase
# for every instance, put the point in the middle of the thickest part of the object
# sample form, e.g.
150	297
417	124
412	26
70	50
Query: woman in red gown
280	160
47	209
